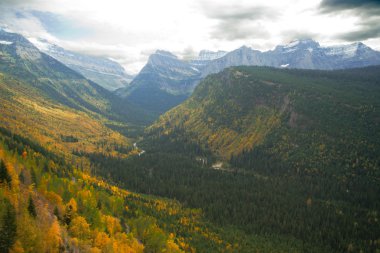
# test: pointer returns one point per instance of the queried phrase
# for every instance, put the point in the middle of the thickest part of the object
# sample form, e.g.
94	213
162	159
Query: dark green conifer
8	227
32	208
4	175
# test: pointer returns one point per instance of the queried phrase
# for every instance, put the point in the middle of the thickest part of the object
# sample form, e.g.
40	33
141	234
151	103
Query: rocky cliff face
205	57
164	82
103	71
168	73
240	56
174	75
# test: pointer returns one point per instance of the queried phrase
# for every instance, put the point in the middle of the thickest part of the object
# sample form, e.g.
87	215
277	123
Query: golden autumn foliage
112	224
72	205
81	213
45	233
54	240
26	109
80	228
101	240
17	248
172	247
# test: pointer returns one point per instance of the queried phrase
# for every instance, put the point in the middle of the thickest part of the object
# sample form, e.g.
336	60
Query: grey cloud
367	11
19	3
361	8
187	53
368	29
23	23
238	30
9	3
61	26
236	12
235	21
333	5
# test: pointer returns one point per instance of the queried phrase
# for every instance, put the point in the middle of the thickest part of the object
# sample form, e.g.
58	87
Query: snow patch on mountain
4	42
346	51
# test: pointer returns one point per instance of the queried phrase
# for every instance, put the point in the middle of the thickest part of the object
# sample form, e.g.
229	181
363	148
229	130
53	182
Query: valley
241	151
296	153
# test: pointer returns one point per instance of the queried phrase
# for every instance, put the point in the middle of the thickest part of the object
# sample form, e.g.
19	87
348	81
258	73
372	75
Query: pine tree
46	167
7	228
4	175
32	208
21	177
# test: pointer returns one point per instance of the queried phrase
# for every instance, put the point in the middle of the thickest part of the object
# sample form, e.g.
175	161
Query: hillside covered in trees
272	152
49	205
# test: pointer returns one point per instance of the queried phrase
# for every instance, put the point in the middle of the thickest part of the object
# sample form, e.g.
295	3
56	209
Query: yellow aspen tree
80	228
53	238
101	240
112	224
70	211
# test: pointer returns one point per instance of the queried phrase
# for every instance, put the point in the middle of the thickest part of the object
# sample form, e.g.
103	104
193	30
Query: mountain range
300	54
166	80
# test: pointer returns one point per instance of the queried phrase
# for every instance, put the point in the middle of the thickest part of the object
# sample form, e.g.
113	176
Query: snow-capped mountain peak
347	51
295	45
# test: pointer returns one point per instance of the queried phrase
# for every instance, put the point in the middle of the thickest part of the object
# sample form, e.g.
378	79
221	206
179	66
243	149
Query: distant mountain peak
23	47
165	53
361	45
349	50
244	47
300	44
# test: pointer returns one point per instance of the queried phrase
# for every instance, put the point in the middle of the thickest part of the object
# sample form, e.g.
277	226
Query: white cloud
129	31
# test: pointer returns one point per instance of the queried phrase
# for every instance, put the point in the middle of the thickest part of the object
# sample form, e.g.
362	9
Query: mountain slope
164	82
55	105
280	151
239	109
107	73
23	60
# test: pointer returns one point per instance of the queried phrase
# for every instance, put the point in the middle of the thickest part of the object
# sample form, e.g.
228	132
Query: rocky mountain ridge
101	70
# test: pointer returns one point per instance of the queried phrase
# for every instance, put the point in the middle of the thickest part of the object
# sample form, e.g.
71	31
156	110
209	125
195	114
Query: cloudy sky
129	31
